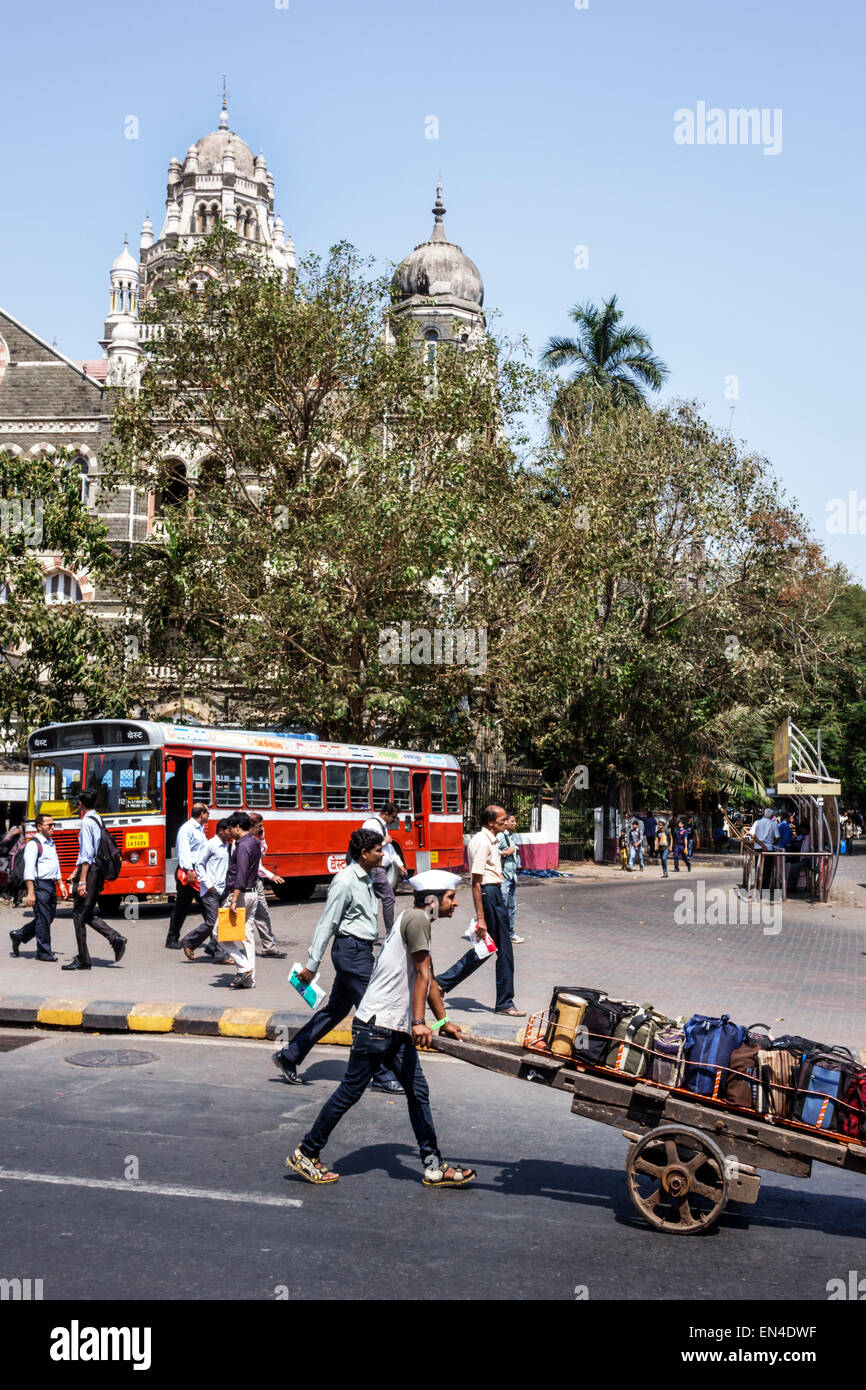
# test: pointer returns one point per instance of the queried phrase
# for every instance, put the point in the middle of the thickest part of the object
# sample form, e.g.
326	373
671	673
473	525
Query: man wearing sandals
390	1026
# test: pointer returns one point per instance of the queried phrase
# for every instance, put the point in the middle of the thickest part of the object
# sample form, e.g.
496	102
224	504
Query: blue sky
555	130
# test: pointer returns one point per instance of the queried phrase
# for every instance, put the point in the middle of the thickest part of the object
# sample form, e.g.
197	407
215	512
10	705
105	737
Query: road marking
154	1189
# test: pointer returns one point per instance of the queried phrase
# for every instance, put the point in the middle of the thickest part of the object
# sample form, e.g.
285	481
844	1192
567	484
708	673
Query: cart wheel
677	1179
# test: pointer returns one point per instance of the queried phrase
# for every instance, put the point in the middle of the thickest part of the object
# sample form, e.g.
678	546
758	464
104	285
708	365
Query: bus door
178	775
419	821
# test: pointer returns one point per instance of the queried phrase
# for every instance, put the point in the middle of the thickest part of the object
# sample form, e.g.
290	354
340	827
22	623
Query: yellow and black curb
155	1016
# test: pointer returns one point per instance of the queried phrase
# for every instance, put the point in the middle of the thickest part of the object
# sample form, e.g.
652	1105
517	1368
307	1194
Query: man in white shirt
191	840
764	835
41	877
485	863
391	869
388	1027
211	869
88	883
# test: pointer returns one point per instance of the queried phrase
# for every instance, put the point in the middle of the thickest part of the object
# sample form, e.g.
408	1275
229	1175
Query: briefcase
231	926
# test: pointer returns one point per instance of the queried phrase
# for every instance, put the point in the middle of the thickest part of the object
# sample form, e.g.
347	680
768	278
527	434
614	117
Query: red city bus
311	794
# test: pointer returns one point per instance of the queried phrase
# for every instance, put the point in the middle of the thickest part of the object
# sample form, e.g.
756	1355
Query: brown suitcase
778	1069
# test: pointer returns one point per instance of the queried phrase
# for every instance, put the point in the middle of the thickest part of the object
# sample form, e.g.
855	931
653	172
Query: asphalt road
212	1212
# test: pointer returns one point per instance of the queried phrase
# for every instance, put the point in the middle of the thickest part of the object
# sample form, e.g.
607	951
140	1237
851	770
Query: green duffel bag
633	1040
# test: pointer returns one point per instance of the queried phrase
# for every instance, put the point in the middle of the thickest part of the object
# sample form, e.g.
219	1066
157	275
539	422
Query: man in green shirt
389	1026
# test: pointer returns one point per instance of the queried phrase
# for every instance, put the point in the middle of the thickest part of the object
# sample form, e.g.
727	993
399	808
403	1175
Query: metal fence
518	789
576	825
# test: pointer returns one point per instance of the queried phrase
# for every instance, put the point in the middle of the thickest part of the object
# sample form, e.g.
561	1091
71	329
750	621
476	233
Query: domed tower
220	180
439	289
124	290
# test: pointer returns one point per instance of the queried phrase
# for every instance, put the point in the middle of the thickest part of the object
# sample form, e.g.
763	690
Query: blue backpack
709	1044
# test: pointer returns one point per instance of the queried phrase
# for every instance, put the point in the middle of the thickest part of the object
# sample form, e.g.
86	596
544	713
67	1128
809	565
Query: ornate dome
438	267
125	261
211	148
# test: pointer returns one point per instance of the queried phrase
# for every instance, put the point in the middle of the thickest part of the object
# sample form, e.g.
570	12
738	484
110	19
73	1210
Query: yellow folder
231	926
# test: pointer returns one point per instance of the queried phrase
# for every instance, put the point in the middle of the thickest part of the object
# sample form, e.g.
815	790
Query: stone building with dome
50	402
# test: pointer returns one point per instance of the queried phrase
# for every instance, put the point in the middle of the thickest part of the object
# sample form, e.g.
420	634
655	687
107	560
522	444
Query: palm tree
615	364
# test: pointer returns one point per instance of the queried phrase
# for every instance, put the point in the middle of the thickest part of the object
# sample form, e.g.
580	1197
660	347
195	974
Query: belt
350	936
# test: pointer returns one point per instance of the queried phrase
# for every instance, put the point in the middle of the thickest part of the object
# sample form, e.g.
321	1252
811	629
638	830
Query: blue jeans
635	851
372	1049
353	963
663	856
509	897
496	918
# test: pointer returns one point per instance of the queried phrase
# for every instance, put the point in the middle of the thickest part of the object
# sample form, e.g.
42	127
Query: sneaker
518	940
287	1070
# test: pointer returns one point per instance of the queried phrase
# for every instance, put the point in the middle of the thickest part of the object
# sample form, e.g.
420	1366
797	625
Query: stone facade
48	402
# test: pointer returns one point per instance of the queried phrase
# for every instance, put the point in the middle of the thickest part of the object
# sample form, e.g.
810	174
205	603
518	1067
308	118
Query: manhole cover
120	1057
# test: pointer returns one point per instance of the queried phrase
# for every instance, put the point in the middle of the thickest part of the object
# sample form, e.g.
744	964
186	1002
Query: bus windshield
128	781
55	783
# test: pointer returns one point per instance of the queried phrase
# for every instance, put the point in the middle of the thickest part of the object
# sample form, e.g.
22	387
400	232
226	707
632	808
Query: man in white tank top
389	1026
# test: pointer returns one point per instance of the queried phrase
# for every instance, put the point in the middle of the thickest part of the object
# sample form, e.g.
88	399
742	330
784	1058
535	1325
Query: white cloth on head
434	881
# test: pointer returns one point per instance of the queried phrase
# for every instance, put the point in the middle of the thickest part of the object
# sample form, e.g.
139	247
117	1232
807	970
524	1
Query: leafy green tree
668	612
58	662
613	364
340	494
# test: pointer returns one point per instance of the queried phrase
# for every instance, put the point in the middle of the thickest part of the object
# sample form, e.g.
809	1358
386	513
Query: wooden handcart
688	1156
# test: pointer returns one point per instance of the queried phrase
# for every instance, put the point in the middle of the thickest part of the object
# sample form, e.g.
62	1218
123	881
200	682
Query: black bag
108	857
801	1048
15	877
591	996
600	1022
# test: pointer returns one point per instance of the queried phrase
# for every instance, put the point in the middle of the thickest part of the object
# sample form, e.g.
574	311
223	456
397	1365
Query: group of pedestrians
224	870
679	838
43	885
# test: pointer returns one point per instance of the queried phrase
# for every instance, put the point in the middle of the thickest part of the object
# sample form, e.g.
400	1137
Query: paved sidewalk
620	932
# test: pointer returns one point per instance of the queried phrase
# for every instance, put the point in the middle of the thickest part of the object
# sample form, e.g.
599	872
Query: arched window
81	467
61	587
214	217
175	490
431	338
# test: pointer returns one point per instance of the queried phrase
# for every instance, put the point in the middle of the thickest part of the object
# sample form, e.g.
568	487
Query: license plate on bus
137	839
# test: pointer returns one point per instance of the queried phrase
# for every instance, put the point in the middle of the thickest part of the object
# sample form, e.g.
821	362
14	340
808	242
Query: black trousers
186	898
353	962
39	924
496	917
210	906
85	913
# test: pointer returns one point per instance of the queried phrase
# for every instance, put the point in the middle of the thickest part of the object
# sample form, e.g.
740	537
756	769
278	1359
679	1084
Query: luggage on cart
709	1044
600	1022
778	1073
824	1078
743	1086
666	1062
853	1118
634	1036
567	1008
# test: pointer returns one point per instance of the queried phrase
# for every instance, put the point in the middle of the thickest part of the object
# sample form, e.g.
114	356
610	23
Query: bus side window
335	775
402	799
437	805
381	786
258	782
311	786
227	772
452	796
285	785
359	788
202	783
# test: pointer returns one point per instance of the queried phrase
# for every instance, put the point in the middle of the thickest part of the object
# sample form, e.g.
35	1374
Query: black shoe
118	948
210	950
74	965
274	955
288	1070
172	943
16	943
40	956
391	1088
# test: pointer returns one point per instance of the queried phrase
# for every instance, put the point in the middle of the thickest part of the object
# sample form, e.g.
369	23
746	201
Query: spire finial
439	210
224	116
126	241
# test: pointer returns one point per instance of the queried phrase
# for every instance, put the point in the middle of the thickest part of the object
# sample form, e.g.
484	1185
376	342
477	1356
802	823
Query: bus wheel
295	889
